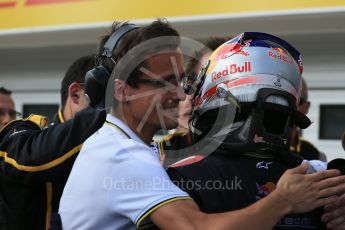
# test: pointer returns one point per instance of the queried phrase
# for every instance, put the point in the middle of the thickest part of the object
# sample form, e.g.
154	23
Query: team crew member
35	160
254	151
117	181
299	145
7	108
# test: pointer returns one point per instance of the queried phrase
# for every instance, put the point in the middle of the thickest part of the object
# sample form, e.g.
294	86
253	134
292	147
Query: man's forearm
263	214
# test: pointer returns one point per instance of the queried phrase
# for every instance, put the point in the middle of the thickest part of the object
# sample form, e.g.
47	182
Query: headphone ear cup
96	81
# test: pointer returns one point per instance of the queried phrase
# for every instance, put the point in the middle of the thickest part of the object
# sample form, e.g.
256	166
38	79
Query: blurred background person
72	89
7	107
299	145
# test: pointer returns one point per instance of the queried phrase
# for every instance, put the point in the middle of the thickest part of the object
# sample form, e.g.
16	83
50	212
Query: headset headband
115	38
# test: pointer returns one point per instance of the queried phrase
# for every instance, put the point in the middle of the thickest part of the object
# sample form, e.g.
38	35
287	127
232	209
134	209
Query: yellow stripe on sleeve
154	208
38	168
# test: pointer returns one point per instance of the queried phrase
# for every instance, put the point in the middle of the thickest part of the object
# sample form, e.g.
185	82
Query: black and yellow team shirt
35	162
305	149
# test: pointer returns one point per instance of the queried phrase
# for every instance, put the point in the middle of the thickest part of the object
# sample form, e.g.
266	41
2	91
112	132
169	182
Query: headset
96	79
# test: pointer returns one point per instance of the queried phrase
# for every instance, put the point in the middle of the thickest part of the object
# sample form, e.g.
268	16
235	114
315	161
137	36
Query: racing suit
229	180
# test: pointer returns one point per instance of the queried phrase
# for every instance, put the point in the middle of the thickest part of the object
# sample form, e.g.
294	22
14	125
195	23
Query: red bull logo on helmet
243	53
228	50
232	69
279	50
278	53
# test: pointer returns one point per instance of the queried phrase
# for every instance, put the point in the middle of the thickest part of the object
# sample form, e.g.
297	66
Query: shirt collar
124	127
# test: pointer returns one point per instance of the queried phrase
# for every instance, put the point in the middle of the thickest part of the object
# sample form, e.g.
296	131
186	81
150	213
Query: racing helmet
261	75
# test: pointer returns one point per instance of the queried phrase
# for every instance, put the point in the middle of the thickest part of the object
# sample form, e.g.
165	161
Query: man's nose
180	94
4	120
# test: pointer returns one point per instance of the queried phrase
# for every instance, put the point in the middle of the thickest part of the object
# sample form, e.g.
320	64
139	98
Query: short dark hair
156	29
5	91
76	73
212	43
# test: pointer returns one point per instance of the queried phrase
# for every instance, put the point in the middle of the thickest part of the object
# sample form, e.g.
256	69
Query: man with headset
35	160
117	181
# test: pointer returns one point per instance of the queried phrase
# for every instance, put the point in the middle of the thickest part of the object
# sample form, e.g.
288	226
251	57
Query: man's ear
74	91
120	90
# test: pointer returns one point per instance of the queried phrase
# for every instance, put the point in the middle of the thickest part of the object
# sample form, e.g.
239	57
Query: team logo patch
264	190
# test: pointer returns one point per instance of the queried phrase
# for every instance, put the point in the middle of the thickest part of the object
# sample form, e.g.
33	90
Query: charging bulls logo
264	190
228	50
